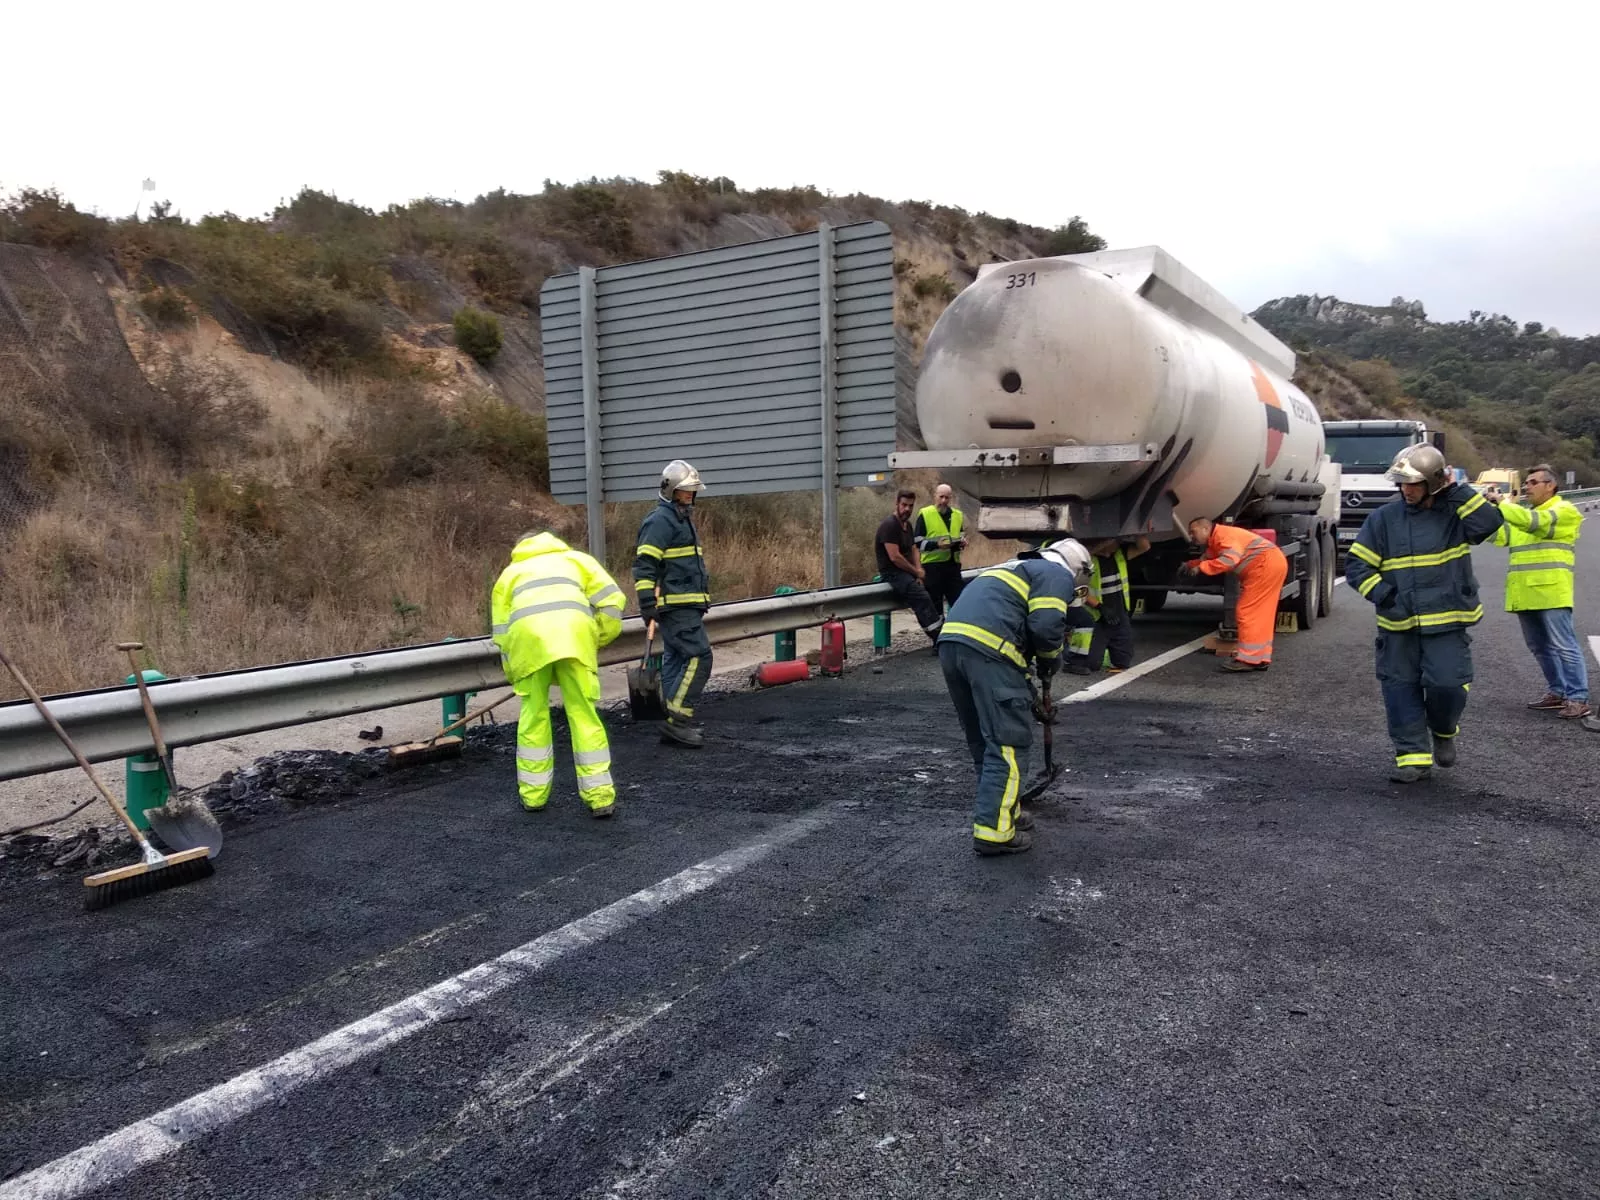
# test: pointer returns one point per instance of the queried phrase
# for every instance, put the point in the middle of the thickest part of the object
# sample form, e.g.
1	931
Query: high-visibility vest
935	528
1118	586
1543	543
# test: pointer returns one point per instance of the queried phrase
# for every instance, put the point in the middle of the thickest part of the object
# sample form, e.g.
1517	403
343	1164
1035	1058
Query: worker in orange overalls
1261	567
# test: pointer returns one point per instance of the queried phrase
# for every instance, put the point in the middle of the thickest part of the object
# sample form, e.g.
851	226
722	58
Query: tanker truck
1115	394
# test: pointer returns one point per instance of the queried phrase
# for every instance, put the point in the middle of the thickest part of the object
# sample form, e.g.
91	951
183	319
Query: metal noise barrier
109	723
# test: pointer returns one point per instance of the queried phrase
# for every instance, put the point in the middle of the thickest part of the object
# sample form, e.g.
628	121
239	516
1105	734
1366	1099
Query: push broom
158	871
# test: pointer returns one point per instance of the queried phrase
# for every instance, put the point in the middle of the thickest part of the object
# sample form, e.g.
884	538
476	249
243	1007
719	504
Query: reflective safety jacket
1544	553
553	602
1100	588
1014	612
930	528
1415	564
1231	548
669	566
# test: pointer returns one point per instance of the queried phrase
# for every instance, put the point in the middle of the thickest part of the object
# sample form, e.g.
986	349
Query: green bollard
454	707
144	778
880	627
783	640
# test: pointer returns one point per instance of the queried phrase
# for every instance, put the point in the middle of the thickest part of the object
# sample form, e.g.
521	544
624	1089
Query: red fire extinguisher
831	661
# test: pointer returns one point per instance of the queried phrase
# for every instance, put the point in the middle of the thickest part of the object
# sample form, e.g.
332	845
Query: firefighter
1261	568
669	573
553	609
1009	615
939	541
1543	539
1412	559
1109	602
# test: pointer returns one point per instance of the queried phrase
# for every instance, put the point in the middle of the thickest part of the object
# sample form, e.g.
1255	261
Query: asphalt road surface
1238	962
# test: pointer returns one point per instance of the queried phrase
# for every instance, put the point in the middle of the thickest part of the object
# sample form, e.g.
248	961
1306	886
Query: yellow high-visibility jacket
1544	544
553	602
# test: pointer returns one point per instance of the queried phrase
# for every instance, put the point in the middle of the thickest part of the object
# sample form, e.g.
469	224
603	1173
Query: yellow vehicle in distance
1507	479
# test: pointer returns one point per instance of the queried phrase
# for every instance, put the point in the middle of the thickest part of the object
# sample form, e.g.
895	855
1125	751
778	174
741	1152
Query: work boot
1019	842
1024	819
603	813
1444	751
1548	701
1573	709
681	733
1592	724
1409	774
1234	665
1079	665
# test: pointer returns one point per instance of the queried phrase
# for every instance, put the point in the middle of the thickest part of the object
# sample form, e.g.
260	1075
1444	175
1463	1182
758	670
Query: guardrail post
783	640
144	779
881	627
453	708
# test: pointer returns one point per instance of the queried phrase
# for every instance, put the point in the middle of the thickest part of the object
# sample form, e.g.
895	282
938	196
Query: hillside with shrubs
254	440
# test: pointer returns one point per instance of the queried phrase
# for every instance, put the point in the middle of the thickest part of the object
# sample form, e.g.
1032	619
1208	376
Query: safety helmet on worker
679	476
1068	553
1422	463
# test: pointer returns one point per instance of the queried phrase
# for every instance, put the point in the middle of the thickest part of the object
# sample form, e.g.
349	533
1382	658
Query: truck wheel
1304	606
1330	559
1154	602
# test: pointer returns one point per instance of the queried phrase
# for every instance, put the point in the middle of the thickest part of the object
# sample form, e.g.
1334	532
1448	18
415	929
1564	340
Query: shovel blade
1039	787
185	823
644	694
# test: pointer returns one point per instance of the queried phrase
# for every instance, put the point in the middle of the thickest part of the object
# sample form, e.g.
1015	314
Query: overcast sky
1357	149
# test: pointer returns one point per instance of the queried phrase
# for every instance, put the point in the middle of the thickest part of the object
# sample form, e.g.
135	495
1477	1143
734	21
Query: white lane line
1594	648
119	1154
1095	690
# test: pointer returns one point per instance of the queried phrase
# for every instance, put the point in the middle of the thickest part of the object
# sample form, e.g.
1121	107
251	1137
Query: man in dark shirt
901	566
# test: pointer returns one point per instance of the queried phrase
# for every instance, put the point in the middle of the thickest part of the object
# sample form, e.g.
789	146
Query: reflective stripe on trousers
591	752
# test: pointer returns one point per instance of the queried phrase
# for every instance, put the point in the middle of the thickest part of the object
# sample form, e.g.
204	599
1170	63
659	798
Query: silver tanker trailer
1116	394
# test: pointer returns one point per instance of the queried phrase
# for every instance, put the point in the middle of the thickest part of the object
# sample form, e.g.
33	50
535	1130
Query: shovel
644	684
184	822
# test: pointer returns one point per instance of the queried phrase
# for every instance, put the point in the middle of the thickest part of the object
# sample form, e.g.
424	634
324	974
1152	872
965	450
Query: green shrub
478	334
935	285
166	307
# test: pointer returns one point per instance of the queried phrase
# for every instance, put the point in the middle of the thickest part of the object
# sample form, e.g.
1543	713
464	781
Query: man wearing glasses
1543	539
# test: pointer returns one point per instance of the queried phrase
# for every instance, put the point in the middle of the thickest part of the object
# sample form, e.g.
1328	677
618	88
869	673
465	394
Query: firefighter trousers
591	753
1424	677
685	660
995	708
1113	635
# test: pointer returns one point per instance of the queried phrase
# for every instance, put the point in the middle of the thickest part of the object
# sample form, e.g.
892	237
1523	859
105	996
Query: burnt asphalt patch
1239	962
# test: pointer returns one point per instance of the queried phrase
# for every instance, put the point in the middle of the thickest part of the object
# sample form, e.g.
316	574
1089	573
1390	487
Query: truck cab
1364	450
1507	479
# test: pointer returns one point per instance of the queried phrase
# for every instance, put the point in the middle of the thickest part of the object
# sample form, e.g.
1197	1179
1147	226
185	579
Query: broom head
155	874
413	754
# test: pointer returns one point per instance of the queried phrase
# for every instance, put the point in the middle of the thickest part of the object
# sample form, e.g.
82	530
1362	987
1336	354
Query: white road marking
119	1154
1095	690
1594	648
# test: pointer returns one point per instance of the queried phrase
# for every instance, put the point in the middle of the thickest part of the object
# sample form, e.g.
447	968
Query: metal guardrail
108	723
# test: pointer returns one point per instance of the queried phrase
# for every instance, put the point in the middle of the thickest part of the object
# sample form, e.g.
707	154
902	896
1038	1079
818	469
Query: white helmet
679	476
1068	553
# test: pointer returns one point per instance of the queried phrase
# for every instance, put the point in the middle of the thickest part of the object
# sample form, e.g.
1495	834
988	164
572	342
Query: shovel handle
150	715
649	641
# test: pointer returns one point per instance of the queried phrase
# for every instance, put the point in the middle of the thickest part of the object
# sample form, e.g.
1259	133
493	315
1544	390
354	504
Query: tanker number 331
1016	281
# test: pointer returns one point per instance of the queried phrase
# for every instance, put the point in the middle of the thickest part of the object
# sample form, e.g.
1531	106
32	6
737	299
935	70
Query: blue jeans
1549	634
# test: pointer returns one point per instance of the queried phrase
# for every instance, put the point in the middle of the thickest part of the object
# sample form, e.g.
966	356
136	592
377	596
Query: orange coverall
1262	569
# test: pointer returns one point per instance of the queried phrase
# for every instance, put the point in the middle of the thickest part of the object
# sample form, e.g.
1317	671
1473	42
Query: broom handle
150	714
460	721
70	745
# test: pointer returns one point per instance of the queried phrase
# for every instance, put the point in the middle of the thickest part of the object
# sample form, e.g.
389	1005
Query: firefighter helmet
679	476
1068	553
1422	463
